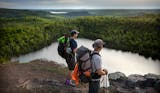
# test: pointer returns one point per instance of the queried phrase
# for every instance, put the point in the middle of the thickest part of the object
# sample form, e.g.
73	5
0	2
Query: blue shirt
73	44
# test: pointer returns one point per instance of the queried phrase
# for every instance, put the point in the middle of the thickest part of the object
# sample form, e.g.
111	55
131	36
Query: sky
80	4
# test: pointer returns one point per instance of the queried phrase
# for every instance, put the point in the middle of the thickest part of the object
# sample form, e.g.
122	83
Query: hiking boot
67	82
72	83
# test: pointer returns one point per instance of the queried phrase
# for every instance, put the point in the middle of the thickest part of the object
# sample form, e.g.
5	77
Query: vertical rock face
149	83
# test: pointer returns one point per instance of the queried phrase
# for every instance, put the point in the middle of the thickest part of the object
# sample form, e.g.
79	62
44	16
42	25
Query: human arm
101	72
98	65
73	45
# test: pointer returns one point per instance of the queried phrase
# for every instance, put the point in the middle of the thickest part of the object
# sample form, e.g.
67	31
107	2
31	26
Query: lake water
54	12
103	12
113	60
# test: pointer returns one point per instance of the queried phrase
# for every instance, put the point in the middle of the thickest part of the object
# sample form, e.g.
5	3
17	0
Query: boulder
135	80
149	83
151	79
157	86
117	76
117	79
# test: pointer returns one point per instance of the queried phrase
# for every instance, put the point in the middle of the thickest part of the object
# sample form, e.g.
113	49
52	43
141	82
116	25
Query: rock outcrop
41	76
149	83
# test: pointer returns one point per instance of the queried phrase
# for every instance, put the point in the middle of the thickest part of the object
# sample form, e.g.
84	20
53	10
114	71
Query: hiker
97	71
70	59
63	44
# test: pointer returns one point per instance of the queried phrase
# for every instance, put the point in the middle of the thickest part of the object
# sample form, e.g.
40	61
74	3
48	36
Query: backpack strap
94	53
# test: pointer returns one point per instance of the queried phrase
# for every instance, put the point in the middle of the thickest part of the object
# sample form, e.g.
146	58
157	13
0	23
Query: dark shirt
73	44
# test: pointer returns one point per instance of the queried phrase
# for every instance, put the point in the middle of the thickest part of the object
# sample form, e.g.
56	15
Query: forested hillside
22	34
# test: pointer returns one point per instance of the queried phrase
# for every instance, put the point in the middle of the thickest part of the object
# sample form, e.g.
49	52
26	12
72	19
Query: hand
105	70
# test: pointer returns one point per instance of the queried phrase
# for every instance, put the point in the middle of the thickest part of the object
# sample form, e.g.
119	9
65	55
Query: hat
98	43
74	32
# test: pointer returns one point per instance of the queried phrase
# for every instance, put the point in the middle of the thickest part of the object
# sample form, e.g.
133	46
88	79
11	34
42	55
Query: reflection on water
54	12
113	60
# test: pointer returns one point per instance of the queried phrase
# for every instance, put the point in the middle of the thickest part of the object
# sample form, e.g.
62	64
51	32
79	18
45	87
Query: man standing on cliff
97	71
70	59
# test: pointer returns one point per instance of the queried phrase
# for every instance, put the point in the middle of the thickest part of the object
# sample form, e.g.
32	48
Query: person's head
98	45
74	33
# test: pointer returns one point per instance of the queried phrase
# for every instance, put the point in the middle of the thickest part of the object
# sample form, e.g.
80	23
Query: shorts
70	60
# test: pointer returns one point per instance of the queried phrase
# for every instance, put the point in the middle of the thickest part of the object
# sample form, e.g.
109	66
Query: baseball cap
98	43
74	32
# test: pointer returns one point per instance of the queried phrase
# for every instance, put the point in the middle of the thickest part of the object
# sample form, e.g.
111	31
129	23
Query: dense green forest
29	31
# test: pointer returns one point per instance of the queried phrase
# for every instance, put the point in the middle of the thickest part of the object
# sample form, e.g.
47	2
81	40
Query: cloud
124	3
7	4
59	2
79	3
68	1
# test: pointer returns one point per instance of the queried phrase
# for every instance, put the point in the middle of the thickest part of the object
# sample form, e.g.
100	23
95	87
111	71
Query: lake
54	12
113	60
102	12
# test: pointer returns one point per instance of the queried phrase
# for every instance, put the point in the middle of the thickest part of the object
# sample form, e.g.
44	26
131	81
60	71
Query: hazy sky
80	4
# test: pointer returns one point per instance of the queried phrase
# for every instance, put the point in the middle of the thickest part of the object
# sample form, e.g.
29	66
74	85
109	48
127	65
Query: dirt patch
35	77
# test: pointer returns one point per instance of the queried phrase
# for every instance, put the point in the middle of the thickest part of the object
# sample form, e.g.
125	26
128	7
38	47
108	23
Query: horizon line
84	8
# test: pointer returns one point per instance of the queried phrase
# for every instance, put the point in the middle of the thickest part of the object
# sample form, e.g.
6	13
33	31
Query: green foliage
21	35
135	34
